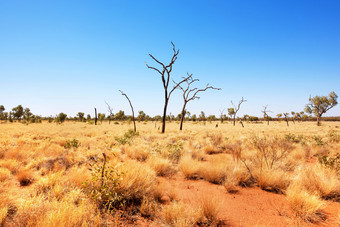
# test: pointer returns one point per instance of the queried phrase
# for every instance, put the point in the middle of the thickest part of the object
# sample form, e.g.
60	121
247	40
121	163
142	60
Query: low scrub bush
72	143
127	137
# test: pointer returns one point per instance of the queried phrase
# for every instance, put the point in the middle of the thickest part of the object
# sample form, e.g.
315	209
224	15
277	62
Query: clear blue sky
71	56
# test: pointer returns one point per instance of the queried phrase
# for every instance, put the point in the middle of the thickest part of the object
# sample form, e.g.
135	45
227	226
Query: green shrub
318	140
330	162
333	136
290	137
103	187
175	151
72	143
127	137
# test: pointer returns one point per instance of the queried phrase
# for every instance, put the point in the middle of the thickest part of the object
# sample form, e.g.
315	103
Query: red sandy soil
247	207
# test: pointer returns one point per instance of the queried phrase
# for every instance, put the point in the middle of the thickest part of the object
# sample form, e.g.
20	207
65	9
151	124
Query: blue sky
71	56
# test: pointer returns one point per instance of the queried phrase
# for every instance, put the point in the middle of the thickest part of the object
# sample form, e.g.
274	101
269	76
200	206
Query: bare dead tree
236	109
95	116
265	115
286	116
221	115
165	72
110	110
190	94
133	112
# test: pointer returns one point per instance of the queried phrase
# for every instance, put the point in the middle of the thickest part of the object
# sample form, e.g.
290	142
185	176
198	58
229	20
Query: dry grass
272	180
318	180
180	215
306	206
162	166
189	167
210	207
36	155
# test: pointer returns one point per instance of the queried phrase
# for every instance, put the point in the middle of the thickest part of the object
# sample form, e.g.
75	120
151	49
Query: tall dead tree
110	110
133	112
221	115
95	116
236	109
286	116
265	115
190	94
165	71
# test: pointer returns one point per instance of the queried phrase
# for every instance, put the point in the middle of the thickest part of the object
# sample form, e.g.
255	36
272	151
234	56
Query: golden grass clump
210	207
138	153
178	214
274	180
318	180
162	166
306	206
137	182
4	174
189	167
25	177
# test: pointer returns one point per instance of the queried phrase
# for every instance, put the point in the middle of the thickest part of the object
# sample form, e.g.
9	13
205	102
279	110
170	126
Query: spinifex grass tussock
306	206
178	214
138	164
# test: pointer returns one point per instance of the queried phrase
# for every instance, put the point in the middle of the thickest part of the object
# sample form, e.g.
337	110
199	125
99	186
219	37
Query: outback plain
80	174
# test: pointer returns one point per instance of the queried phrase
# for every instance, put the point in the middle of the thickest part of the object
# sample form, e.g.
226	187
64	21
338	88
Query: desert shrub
127	137
318	140
270	150
333	136
60	118
290	137
104	185
332	162
174	150
72	143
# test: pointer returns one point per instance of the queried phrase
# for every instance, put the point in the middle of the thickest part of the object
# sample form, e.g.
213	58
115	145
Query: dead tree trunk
133	112
236	109
190	94
165	72
286	116
95	116
182	116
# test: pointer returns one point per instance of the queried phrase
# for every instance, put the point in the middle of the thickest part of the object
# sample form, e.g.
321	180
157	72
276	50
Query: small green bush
318	140
330	162
127	137
333	136
72	143
175	151
103	187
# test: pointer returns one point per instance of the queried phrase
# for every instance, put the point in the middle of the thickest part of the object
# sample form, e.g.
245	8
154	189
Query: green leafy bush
127	137
330	162
104	186
175	150
72	143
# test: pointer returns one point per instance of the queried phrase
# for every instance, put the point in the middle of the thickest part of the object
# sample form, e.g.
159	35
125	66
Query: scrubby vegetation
57	175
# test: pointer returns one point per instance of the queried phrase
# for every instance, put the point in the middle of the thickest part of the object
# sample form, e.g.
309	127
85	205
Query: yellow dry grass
52	174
